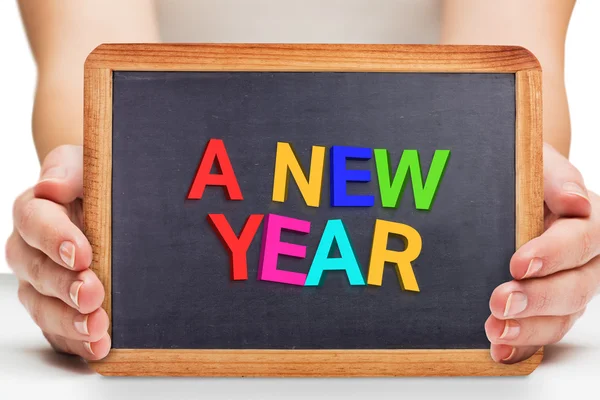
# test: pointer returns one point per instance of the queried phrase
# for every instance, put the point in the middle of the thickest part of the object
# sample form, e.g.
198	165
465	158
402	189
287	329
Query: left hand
555	275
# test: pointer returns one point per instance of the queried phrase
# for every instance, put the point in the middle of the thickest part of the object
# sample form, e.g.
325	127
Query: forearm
538	25
61	35
58	113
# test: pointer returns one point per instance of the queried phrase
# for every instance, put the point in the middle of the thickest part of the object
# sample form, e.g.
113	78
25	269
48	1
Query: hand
555	275
51	257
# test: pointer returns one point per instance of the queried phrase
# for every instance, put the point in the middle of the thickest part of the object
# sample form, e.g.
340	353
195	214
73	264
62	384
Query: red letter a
215	151
238	247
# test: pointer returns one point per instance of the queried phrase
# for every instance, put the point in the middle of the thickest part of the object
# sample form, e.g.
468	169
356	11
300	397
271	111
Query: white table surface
30	369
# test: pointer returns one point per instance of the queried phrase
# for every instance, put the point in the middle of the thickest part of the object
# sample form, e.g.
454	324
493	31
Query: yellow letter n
310	188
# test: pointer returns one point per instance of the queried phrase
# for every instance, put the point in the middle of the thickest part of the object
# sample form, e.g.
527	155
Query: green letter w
391	190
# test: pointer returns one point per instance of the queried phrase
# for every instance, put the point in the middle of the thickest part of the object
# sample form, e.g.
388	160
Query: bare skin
61	35
555	275
538	25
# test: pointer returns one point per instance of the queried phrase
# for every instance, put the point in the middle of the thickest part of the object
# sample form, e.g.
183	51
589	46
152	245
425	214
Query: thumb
61	177
565	193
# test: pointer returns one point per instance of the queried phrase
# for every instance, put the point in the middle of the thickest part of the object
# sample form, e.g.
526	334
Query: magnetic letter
340	176
334	230
238	247
215	152
286	160
272	247
380	254
423	194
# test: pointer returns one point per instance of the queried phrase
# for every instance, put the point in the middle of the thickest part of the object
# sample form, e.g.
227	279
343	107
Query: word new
391	187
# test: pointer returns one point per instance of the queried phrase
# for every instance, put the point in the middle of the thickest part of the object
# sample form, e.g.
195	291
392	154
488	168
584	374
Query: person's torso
300	21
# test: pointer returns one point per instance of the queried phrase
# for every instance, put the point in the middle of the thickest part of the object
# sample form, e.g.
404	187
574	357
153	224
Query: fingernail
516	303
511	330
81	324
53	173
74	292
534	266
574	188
88	347
67	253
512	353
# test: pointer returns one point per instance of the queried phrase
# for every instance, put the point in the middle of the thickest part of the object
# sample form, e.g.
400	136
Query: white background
18	160
19	165
29	369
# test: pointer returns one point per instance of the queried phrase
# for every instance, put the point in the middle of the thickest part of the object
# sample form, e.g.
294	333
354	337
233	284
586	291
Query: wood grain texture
529	189
366	58
97	170
529	164
311	57
309	363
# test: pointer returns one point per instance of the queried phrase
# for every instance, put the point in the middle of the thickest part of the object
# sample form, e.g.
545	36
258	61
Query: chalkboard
171	285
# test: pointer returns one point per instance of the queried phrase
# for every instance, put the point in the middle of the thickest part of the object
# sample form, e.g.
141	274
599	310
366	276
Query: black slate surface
171	281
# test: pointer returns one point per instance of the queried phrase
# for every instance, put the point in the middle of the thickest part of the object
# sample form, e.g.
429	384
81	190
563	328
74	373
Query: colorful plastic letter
272	247
238	247
215	152
423	194
334	230
340	176
286	160
380	254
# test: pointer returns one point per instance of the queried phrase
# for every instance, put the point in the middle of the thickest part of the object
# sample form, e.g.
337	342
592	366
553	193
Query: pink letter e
272	247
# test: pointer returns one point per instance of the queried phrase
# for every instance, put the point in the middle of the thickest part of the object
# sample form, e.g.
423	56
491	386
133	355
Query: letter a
215	152
334	232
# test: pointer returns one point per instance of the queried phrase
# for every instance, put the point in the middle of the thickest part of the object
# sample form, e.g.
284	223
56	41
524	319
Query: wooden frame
272	57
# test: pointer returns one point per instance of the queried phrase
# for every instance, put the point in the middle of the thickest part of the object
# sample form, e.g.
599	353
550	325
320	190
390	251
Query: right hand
51	256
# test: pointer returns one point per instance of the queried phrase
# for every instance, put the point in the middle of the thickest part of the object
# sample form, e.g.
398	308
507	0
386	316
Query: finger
61	178
563	293
57	318
568	243
564	190
89	350
509	355
534	331
81	290
46	226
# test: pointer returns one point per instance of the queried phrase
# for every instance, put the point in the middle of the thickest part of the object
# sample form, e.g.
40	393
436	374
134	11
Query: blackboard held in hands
308	210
